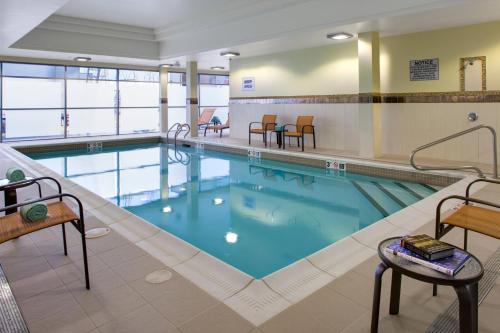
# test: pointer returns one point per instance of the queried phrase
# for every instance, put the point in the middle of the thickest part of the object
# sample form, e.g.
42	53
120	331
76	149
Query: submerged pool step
386	201
402	194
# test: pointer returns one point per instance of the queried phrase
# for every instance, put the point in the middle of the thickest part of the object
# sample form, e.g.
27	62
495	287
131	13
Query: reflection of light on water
167	209
218	201
231	237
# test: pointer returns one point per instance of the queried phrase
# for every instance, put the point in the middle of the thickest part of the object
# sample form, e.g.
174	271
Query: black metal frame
302	135
264	129
79	224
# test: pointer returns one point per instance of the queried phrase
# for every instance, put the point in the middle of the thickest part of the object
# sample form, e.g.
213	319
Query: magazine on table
449	266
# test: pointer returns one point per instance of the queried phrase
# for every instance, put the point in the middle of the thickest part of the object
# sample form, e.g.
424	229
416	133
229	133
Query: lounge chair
205	117
268	123
12	225
469	216
216	128
304	125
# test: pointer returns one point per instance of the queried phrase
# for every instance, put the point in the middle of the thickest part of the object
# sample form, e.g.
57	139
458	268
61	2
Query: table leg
468	307
278	139
10	198
379	271
395	293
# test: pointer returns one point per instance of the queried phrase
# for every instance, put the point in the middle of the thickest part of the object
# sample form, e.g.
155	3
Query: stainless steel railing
179	128
461	167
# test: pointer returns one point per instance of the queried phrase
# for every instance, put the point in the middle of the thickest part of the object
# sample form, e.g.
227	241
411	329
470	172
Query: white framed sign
424	69
248	84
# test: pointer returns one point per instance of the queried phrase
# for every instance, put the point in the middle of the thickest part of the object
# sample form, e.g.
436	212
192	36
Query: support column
192	97
163	100
369	89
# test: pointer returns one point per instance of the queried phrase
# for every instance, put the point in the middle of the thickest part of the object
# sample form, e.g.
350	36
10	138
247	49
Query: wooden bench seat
483	220
13	225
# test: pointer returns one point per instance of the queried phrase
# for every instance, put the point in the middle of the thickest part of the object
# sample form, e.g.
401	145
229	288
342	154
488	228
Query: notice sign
248	84
424	69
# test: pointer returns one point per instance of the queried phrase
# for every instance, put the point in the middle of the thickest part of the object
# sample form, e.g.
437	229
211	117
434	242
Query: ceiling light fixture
230	54
167	209
339	35
167	65
217	68
82	59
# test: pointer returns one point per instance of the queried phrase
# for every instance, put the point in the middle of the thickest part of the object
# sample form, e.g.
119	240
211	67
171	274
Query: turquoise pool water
258	216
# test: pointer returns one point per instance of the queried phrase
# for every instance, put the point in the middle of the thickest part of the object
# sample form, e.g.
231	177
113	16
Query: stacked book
430	252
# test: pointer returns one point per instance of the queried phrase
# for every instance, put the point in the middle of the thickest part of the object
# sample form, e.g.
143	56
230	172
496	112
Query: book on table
427	247
450	265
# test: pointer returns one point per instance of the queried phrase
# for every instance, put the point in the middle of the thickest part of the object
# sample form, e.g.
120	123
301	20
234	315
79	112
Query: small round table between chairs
465	283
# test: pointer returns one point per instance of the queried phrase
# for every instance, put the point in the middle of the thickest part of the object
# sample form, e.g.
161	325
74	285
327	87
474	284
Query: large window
50	101
176	91
214	93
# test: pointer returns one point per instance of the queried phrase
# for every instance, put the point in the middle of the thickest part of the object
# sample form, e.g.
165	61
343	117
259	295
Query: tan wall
449	45
316	71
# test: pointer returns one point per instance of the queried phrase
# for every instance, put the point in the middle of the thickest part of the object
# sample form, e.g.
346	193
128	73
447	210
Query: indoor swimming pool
256	215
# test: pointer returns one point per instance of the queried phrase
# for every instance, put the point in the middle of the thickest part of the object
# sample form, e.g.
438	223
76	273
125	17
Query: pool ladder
461	167
179	128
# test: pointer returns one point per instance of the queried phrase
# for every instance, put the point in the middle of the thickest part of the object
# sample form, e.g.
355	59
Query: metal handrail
181	128
461	167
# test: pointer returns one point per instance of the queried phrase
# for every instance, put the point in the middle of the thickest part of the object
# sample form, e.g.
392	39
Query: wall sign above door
424	69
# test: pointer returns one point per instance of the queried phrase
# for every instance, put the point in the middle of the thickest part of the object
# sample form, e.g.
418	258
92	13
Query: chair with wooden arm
59	213
268	123
304	125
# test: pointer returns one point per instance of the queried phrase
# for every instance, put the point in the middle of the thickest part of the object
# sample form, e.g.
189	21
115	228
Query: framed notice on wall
424	69
248	84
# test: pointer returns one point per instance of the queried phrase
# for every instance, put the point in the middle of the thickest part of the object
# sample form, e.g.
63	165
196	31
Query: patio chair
217	128
268	123
205	117
12	225
304	125
470	216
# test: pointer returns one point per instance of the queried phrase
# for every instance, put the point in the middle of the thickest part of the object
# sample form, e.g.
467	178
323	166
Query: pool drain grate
11	319
448	320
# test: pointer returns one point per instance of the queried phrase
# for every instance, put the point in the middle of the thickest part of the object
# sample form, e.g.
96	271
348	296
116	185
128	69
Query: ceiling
150	32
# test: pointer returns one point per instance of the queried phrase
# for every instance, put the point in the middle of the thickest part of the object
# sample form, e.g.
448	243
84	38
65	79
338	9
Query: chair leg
249	137
302	143
298	142
205	132
314	139
465	239
84	249
63	227
265	139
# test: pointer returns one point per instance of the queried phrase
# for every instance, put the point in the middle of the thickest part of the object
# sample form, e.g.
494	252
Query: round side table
465	283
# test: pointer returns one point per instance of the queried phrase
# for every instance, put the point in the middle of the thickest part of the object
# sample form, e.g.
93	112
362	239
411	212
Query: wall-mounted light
217	68
82	59
229	54
339	35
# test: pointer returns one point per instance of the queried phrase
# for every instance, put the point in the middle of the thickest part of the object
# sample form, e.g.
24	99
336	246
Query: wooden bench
59	213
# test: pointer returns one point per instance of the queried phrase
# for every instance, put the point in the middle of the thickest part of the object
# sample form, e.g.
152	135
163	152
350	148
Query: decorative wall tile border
359	168
51	147
490	96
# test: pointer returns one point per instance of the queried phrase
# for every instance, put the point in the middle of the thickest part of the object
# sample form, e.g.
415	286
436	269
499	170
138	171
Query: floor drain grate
448	320
11	320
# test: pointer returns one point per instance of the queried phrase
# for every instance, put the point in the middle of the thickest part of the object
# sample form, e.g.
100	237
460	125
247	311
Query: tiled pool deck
329	291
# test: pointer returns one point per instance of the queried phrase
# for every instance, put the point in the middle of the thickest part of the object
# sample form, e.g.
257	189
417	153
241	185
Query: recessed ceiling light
230	54
167	65
339	35
219	68
82	59
167	209
218	201
231	237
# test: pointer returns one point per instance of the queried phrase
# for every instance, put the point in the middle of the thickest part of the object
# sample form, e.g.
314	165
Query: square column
192	108
369	89
163	100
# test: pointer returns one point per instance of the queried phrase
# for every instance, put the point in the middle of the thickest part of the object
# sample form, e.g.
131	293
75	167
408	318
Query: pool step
390	196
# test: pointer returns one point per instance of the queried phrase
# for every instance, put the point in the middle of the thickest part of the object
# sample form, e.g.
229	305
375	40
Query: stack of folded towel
15	175
34	212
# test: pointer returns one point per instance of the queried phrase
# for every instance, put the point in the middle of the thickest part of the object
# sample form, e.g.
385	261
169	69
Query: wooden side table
10	192
465	283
